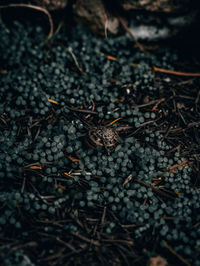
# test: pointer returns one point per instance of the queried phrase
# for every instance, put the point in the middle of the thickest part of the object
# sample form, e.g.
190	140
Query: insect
98	134
103	136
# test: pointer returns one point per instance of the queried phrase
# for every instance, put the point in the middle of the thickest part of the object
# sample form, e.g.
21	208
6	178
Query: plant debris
121	202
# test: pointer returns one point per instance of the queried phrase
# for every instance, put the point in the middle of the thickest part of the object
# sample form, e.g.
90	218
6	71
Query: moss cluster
45	163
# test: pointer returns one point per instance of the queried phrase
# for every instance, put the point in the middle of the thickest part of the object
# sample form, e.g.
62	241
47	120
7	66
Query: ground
67	199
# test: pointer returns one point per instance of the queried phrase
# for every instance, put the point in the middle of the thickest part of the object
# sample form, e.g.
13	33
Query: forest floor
99	150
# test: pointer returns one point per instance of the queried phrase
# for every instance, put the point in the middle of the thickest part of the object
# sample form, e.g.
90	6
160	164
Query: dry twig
175	253
124	25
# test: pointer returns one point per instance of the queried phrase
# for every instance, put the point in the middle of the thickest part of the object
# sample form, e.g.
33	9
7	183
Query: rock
157	261
152	26
52	5
94	14
148	20
166	6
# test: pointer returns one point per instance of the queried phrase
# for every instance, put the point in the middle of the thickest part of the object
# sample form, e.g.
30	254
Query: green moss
50	136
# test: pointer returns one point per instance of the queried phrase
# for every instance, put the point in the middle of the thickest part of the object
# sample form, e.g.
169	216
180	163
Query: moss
50	136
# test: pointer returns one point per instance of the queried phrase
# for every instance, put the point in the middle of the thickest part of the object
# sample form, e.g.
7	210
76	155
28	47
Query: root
38	8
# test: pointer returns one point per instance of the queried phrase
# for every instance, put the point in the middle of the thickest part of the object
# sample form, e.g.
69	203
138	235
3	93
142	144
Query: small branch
124	25
177	73
91	241
82	110
156	190
103	216
93	108
29	244
141	126
75	59
149	103
66	244
128	179
125	242
175	253
129	225
157	69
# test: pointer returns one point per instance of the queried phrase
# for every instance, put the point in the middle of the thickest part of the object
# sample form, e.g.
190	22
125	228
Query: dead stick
82	110
124	25
125	242
158	69
103	216
91	241
177	73
75	59
156	190
175	253
66	244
